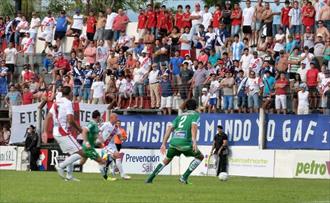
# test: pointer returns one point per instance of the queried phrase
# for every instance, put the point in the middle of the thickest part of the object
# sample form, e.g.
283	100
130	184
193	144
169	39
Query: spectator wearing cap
308	39
227	86
3	82
200	76
166	95
254	90
294	61
154	86
77	24
303	100
295	19
319	49
311	80
236	19
61	65
281	87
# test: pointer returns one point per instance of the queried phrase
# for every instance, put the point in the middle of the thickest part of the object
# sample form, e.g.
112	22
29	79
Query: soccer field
40	187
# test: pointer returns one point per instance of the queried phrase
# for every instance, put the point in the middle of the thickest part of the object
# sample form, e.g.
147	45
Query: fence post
262	127
107	115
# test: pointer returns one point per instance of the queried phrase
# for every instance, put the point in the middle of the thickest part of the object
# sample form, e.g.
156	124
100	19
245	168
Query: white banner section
8	157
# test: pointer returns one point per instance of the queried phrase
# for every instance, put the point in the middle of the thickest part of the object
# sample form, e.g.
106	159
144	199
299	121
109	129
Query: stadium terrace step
4	115
137	111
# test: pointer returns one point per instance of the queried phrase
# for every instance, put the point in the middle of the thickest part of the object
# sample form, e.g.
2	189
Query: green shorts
90	152
187	151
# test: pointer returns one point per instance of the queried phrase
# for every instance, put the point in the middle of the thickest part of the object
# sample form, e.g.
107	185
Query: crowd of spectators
230	60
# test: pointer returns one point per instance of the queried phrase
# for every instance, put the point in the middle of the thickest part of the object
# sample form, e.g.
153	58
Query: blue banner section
147	131
298	132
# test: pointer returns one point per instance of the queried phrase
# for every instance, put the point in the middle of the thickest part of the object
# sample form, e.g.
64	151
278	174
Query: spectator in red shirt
186	18
285	18
311	80
308	14
142	19
280	93
27	74
61	65
151	19
178	19
161	22
170	21
120	23
217	15
236	20
27	96
91	23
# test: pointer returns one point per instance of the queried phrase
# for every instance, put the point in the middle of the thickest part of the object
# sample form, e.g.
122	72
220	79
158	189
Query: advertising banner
8	157
298	132
25	115
147	131
302	164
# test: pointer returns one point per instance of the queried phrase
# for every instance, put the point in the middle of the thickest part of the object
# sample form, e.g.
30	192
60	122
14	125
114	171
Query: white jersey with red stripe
64	108
108	132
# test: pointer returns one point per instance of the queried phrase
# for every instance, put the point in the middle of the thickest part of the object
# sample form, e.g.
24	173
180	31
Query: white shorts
110	149
68	144
47	35
303	110
280	101
166	102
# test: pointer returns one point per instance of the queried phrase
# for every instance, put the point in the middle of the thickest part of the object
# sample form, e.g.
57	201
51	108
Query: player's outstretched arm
73	123
84	135
166	137
46	122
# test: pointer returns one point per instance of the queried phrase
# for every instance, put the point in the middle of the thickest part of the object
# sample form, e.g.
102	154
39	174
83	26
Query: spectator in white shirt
254	90
245	61
97	91
196	18
303	103
108	32
47	27
121	84
77	24
207	18
295	19
154	77
34	25
139	74
247	19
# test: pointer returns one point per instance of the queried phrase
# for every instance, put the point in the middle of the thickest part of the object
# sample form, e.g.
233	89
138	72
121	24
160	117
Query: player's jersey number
181	122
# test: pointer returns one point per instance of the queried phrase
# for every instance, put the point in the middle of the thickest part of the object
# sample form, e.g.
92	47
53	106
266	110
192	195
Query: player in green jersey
90	134
183	141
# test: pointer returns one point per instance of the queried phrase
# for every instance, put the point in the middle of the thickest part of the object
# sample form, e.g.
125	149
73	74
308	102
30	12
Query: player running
62	114
108	132
183	141
90	134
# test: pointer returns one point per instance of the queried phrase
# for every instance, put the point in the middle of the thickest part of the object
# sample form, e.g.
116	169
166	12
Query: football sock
70	160
193	165
69	170
120	167
157	170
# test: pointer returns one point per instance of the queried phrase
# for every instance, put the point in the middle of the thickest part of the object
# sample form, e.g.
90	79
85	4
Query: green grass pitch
42	187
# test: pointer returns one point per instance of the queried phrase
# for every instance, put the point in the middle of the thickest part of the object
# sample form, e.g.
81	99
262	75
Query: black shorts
59	35
292	76
11	68
118	146
108	35
76	31
90	36
313	90
269	29
247	30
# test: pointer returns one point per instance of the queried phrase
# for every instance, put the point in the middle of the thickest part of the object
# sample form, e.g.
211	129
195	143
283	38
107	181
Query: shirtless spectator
322	30
325	15
100	26
259	9
282	64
